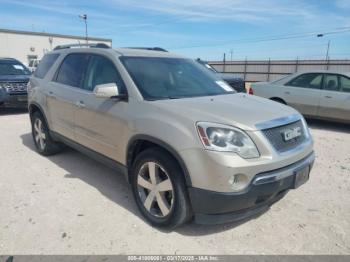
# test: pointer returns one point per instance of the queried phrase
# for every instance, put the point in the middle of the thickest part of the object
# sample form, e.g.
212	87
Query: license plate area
22	99
301	176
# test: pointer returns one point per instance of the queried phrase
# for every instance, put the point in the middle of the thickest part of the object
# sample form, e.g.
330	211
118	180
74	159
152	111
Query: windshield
171	78
7	68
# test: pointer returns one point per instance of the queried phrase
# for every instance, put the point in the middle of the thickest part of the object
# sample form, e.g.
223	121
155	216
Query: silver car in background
319	94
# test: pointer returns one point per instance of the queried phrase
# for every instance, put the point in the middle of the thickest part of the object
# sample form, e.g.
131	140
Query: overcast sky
197	28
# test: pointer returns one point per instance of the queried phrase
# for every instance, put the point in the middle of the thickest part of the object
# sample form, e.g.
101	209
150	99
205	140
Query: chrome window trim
278	122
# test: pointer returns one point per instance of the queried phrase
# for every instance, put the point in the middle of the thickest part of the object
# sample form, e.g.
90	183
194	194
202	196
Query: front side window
13	68
171	78
45	65
72	70
102	71
345	84
331	83
313	81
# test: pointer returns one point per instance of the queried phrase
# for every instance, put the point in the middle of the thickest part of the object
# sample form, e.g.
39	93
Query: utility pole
296	64
327	55
245	68
231	55
84	17
328	46
224	69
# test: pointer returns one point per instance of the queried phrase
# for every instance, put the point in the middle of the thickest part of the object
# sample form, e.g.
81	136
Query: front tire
159	189
44	144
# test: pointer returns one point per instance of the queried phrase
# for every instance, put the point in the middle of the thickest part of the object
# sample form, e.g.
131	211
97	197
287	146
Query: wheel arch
138	143
35	107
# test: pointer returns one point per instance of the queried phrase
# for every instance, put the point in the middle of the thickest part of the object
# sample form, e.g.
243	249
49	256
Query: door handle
51	94
328	97
80	104
287	93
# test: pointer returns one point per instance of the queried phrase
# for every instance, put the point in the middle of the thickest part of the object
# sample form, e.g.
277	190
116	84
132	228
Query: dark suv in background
14	77
233	80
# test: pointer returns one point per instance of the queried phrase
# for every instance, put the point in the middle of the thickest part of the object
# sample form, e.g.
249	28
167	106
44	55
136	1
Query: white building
27	46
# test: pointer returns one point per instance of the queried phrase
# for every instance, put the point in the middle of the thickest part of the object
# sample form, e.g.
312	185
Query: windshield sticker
224	86
19	67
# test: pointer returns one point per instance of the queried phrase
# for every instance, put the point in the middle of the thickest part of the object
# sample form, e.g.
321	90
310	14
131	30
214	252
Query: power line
242	50
268	39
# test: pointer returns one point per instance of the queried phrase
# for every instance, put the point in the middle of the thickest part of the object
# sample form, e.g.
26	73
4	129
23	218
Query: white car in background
324	95
33	64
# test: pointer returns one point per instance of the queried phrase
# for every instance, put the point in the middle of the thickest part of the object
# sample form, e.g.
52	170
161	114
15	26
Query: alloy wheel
39	134
155	189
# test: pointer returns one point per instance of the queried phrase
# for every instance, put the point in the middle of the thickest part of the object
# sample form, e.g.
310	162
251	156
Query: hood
239	110
14	78
230	77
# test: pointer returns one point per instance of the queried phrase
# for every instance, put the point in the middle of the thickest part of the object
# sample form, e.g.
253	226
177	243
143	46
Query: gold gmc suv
190	146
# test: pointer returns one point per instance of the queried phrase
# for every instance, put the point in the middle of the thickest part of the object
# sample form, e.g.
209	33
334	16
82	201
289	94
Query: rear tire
44	144
278	100
159	189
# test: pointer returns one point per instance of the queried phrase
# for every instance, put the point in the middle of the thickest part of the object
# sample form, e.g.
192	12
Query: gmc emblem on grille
289	134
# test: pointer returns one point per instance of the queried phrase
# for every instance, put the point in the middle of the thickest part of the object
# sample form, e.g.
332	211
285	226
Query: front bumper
13	99
264	190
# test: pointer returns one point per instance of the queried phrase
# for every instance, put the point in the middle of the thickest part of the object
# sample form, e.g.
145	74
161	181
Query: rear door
303	93
335	98
61	95
100	122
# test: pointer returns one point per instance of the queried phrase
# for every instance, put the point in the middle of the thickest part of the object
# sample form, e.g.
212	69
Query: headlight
224	138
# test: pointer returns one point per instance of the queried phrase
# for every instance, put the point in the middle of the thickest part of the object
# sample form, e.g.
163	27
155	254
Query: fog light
238	182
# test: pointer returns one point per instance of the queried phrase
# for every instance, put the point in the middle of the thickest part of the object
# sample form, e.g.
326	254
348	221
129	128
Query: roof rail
150	48
98	45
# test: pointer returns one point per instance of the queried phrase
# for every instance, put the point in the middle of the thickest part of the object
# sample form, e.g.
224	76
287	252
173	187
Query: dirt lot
70	204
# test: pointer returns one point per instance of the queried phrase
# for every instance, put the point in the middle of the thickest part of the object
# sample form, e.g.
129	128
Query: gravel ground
70	204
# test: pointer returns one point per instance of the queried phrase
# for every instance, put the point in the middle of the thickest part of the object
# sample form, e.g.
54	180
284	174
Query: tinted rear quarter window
72	70
45	65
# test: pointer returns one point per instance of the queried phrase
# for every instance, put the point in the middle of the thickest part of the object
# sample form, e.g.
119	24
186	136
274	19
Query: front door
303	93
99	122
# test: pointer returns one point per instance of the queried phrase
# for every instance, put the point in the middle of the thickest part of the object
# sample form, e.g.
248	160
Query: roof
116	51
144	52
322	72
8	59
10	31
287	78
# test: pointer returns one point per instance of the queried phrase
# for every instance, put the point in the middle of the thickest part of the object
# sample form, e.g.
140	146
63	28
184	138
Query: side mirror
109	90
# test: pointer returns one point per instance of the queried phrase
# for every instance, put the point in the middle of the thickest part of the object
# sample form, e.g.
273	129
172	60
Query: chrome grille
17	87
276	136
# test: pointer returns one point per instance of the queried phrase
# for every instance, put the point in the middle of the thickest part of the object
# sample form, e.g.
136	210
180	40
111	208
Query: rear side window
72	70
345	84
313	81
45	65
331	83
